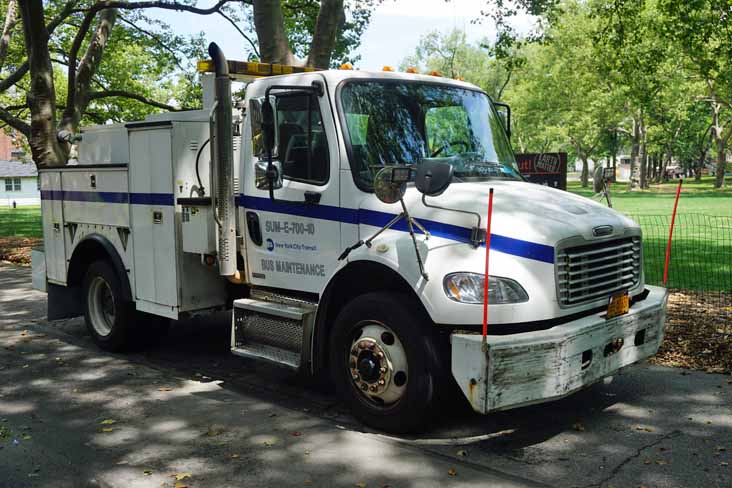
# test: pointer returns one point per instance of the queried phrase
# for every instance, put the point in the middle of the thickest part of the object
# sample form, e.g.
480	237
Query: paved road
189	407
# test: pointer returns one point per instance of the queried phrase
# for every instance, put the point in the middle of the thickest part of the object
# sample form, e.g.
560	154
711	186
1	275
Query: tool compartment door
290	243
53	226
152	212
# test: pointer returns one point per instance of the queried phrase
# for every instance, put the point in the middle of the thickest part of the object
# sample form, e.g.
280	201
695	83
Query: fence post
671	233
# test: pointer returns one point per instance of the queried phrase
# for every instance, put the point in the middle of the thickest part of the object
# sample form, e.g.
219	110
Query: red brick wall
6	145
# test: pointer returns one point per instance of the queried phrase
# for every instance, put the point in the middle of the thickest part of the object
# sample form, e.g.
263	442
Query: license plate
618	305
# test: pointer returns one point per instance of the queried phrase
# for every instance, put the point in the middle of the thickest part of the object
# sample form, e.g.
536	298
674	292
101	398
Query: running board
273	329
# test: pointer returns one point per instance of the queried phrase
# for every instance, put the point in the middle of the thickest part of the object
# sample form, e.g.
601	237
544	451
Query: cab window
300	142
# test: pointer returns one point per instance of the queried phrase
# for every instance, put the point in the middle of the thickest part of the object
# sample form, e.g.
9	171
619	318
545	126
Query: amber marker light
347	66
387	68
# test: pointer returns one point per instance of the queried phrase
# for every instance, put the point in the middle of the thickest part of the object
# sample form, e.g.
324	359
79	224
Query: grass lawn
701	255
659	199
20	222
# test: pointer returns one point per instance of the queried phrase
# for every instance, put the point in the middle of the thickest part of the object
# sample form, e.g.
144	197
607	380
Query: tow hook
614	346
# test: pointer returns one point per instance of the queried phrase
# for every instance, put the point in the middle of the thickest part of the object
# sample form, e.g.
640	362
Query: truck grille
595	271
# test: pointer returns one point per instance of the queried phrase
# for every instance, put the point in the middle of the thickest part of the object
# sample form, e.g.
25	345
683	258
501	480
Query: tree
701	28
77	34
451	55
560	100
634	56
95	61
315	31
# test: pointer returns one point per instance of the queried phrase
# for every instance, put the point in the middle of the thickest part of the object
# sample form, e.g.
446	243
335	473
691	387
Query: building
19	184
10	150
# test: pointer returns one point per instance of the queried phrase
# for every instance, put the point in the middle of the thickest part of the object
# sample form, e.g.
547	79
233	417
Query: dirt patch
17	250
698	332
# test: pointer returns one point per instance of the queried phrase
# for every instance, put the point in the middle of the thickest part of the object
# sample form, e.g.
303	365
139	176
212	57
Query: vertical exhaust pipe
222	167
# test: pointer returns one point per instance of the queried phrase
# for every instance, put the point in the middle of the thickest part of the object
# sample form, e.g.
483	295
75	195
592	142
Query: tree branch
270	27
324	37
134	96
15	122
155	38
11	20
248	39
165	5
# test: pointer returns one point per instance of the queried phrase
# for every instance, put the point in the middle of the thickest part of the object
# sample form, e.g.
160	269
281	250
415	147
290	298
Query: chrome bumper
535	367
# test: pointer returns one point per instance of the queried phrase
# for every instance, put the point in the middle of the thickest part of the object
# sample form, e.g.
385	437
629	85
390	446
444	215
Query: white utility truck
341	215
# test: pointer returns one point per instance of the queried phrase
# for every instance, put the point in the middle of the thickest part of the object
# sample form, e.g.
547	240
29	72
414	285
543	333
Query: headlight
468	288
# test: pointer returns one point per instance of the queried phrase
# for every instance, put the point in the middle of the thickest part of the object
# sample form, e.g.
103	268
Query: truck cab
342	216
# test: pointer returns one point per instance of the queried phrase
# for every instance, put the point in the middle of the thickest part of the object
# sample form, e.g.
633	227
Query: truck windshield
397	123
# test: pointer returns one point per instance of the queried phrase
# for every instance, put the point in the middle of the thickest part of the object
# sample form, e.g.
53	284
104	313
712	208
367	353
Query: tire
108	316
384	363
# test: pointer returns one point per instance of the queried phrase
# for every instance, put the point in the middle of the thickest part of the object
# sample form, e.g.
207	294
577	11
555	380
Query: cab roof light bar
250	68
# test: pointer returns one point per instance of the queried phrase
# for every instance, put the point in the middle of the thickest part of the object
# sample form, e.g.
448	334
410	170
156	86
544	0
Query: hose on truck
202	191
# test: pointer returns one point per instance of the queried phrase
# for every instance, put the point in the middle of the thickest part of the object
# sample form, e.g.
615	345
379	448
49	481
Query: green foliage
452	56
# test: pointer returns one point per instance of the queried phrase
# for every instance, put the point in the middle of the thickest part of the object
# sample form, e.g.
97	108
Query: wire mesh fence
700	278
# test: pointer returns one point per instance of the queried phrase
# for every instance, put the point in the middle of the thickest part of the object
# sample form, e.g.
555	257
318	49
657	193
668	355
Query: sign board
549	169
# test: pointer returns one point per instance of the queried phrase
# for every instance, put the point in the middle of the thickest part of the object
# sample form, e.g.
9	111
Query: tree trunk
11	18
331	17
721	163
585	171
720	142
615	163
643	158
87	67
269	24
45	149
634	183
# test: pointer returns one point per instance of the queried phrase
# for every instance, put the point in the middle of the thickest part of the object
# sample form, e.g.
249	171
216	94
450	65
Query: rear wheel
108	316
384	363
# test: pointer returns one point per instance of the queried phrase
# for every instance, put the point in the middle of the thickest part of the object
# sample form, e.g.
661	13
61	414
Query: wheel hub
368	366
373	364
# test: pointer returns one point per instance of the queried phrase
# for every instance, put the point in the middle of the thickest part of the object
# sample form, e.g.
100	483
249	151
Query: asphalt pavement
188	412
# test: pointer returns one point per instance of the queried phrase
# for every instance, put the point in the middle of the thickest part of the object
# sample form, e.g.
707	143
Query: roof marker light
387	68
347	66
435	73
412	70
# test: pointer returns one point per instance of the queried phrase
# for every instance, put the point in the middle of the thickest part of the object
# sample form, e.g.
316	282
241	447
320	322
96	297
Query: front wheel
384	363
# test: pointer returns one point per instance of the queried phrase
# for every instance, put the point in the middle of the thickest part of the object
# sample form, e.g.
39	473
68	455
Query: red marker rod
671	234
487	255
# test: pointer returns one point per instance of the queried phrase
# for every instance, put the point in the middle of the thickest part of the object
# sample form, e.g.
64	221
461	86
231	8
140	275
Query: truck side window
301	144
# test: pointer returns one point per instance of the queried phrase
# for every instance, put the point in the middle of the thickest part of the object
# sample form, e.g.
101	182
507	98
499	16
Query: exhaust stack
222	167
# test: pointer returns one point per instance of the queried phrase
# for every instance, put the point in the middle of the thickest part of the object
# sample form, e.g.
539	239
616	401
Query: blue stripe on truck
504	244
160	199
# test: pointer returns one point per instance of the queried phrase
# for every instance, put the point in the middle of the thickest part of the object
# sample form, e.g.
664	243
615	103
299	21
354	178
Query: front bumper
535	367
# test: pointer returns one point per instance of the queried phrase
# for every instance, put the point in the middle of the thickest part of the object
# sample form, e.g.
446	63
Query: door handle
312	197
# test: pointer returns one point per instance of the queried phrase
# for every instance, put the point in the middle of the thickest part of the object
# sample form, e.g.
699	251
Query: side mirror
263	178
390	184
504	111
433	178
268	126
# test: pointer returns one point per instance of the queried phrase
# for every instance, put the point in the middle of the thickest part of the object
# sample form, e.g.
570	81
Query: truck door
293	241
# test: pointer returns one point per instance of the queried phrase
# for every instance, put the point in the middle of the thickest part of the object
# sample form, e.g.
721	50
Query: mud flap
64	302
